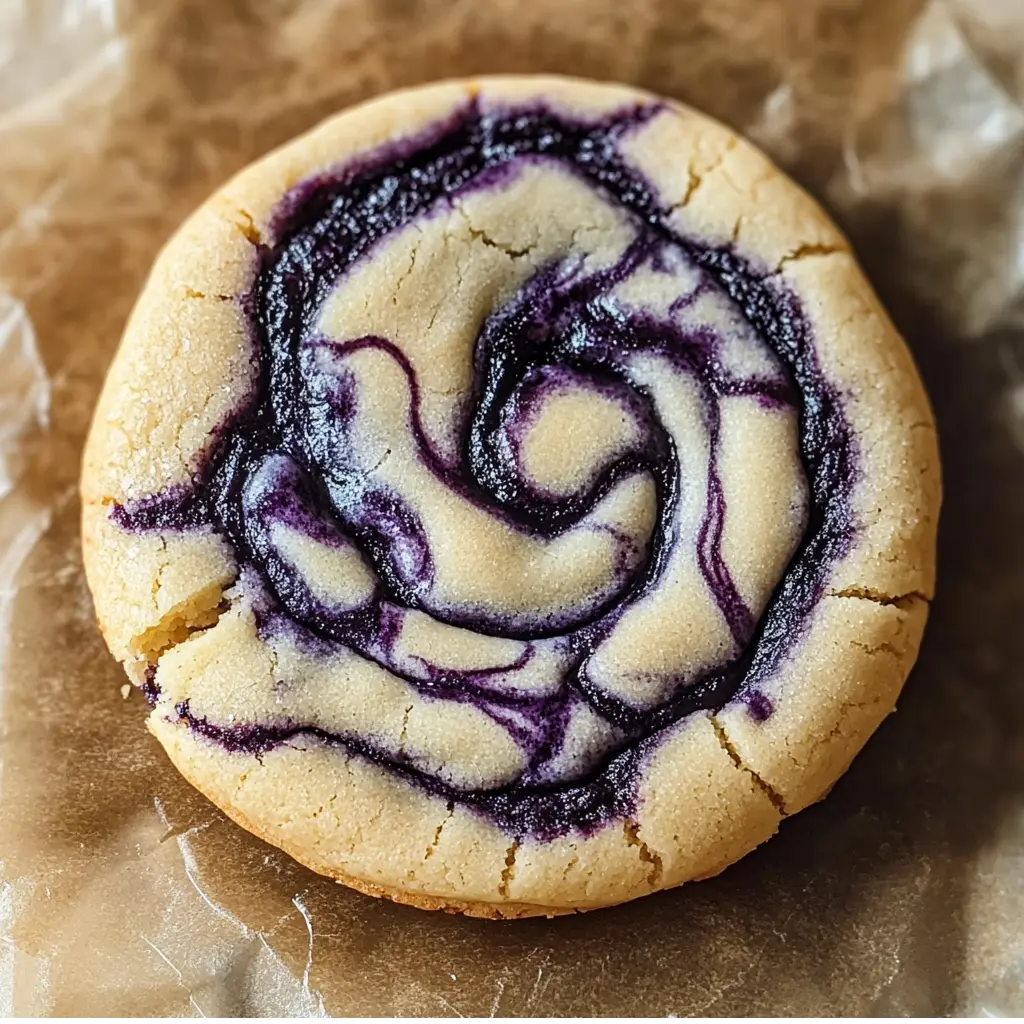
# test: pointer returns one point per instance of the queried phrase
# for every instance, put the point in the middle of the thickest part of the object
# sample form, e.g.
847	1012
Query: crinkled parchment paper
125	892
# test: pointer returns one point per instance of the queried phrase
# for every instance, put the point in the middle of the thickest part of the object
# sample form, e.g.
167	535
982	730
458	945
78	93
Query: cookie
512	498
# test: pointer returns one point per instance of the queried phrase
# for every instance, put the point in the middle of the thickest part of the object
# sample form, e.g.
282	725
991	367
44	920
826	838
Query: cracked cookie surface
512	498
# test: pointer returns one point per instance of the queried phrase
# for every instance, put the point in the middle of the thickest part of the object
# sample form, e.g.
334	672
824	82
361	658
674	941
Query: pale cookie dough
512	498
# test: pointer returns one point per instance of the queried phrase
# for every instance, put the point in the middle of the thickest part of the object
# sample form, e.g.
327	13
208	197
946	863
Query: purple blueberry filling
284	457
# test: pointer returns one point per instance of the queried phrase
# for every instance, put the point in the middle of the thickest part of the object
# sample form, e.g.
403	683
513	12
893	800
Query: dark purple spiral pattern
322	228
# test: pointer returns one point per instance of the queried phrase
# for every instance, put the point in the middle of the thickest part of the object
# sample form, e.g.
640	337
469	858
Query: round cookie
512	498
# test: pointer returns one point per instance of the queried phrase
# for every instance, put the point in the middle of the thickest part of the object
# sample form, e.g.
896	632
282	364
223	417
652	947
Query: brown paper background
125	892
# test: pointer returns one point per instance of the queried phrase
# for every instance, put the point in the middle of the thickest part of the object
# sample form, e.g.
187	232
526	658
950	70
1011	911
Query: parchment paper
125	892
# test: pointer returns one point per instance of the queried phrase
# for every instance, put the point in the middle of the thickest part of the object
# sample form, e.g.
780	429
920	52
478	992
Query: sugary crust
718	784
353	822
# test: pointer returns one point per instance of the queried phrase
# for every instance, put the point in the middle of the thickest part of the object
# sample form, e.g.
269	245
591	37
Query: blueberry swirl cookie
512	498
